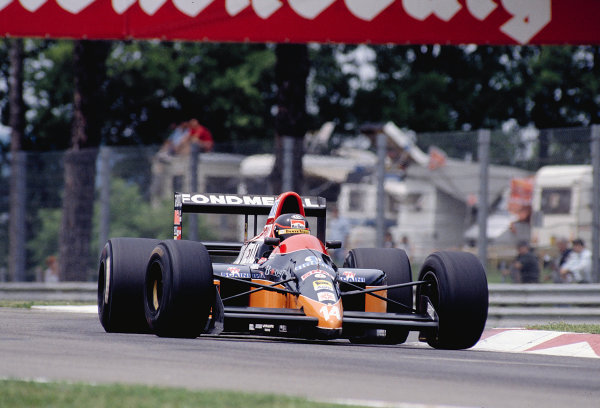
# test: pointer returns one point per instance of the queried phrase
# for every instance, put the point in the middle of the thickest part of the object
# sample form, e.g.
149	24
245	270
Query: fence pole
104	197
17	226
193	218
287	176
381	142
595	148
483	154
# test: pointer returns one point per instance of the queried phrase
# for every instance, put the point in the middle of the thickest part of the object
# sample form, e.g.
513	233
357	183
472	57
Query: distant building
215	173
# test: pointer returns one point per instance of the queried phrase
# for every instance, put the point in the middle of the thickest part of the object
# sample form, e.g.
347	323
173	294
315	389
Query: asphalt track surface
74	347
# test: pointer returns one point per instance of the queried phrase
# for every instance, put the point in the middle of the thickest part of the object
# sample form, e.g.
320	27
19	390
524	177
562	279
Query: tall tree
227	87
562	91
333	81
18	165
89	60
291	72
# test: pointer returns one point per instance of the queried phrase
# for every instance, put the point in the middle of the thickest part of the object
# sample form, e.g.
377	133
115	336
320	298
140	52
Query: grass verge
17	393
566	327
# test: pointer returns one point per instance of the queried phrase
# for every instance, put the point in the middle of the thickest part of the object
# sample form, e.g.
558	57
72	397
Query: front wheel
456	285
178	289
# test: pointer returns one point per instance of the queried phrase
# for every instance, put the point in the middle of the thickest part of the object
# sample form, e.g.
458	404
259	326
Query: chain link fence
432	194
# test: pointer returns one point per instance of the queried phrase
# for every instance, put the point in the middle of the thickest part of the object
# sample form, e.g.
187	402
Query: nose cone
329	315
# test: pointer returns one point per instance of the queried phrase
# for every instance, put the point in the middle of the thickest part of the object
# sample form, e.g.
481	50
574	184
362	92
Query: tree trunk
89	58
291	72
17	226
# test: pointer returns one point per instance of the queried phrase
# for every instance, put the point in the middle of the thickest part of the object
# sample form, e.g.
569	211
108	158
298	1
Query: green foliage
230	88
45	240
4	73
227	87
563	84
49	78
438	88
133	216
331	95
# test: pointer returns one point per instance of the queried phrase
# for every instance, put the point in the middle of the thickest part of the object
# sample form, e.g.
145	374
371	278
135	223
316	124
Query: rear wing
246	205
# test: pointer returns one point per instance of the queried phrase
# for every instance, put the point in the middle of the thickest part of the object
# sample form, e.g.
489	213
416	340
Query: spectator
183	137
525	268
51	271
179	133
388	240
199	135
578	265
562	244
405	244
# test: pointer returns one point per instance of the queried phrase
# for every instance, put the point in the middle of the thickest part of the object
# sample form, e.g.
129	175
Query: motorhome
562	204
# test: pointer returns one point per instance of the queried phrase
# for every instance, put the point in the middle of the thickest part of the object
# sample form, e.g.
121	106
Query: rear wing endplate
243	204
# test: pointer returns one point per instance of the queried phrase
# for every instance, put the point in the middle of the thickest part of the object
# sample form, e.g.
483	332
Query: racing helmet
287	225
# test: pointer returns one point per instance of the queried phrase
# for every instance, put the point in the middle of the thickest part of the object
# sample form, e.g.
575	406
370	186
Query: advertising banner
324	21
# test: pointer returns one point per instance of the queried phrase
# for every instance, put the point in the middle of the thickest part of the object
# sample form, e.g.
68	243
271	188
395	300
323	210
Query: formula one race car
284	283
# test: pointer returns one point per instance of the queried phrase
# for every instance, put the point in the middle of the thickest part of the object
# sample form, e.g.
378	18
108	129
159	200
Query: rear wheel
178	290
121	284
396	265
457	288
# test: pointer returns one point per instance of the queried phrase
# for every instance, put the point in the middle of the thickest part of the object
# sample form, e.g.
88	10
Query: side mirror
272	241
333	244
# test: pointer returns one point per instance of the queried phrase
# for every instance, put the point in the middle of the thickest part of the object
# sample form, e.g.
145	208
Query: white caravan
562	204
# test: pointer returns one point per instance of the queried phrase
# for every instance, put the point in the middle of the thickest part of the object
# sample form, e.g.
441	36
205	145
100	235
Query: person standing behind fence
578	266
405	245
51	271
562	244
388	240
526	265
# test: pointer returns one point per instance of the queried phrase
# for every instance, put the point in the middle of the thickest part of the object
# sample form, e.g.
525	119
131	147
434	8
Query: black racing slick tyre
179	290
457	288
121	284
396	265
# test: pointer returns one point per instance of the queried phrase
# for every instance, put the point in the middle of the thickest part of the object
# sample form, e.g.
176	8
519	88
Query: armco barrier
51	292
511	305
514	305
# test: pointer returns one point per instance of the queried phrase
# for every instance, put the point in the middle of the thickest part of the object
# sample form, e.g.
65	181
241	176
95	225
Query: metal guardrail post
483	154
595	150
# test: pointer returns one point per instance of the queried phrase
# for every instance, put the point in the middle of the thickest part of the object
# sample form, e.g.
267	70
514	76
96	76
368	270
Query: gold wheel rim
155	295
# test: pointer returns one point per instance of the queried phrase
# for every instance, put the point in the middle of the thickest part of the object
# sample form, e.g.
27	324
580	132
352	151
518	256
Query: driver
287	225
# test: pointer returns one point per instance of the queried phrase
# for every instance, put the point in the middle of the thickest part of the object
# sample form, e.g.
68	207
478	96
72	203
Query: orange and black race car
284	283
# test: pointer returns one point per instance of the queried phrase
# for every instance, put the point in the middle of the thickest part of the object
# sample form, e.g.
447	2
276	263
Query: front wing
293	322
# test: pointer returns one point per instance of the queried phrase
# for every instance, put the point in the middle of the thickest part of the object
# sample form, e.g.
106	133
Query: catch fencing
435	205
